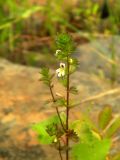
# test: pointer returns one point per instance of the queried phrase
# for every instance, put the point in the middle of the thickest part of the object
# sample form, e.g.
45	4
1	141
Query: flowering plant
79	139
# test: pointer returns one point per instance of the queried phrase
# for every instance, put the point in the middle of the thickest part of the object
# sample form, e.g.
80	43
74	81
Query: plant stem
54	100
67	112
60	150
60	119
51	91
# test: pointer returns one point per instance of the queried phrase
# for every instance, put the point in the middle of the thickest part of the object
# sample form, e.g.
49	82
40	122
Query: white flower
62	65
61	71
57	52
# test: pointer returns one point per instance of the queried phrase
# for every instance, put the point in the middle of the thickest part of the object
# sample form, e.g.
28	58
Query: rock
23	96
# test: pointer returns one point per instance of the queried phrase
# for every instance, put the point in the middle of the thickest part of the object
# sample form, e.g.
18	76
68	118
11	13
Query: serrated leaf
65	44
41	129
105	117
73	90
44	71
83	129
46	76
63	81
43	136
61	102
96	151
113	127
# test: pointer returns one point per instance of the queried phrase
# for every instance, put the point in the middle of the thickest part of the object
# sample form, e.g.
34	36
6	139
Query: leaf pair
107	123
46	129
46	76
90	146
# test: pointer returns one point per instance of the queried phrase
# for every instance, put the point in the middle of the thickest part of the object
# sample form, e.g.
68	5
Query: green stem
67	112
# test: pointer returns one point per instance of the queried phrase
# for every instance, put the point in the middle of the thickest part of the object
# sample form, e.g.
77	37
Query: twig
54	100
96	97
60	119
59	147
60	150
67	111
104	57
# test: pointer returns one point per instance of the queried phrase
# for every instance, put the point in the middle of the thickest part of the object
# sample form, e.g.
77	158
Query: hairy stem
60	119
51	91
67	112
60	150
53	98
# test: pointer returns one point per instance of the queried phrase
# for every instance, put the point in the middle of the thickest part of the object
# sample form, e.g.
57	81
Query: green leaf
46	76
23	15
105	117
43	136
63	81
73	90
95	9
73	65
84	129
61	102
95	151
113	127
41	129
27	13
65	44
7	24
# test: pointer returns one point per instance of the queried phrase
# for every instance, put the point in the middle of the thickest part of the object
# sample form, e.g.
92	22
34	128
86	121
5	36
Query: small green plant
79	139
13	15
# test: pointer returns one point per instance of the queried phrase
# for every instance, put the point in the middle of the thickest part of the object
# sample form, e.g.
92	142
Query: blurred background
28	27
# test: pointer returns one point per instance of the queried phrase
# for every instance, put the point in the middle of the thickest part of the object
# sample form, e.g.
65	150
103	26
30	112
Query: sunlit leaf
83	128
27	13
105	117
95	8
113	127
41	129
23	15
95	151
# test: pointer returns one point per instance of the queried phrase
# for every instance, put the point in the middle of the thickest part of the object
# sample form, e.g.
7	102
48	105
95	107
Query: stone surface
23	96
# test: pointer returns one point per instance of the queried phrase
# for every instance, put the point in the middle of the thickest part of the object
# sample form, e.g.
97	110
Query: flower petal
58	70
62	65
57	52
